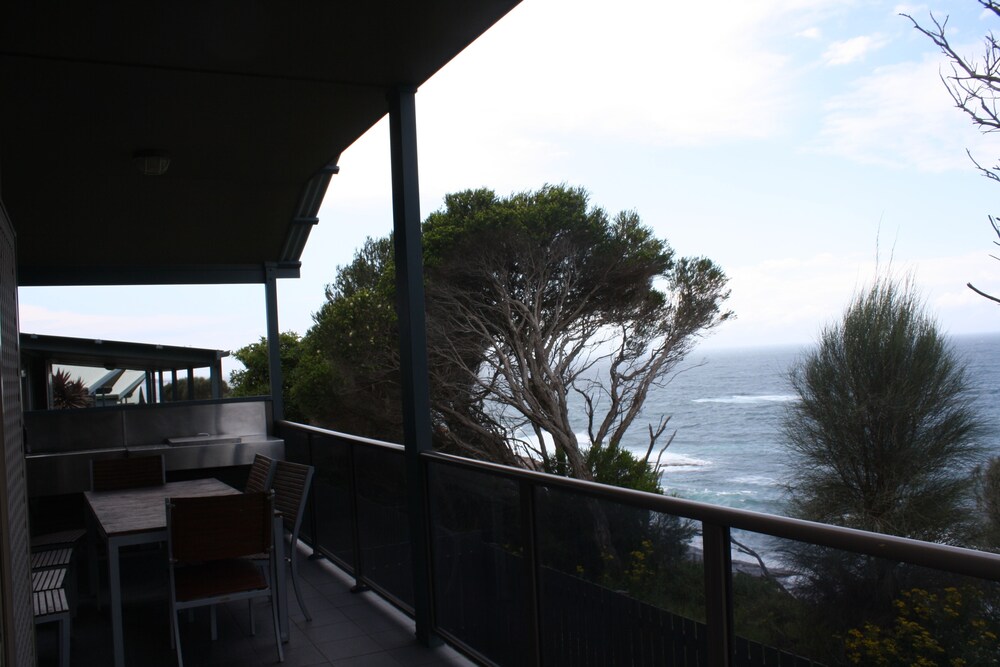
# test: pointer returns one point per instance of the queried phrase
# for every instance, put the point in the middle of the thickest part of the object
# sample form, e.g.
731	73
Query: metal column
273	343
413	343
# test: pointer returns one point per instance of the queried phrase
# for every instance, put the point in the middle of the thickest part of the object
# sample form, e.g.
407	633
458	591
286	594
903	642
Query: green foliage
202	390
950	628
255	380
351	382
619	467
883	435
68	393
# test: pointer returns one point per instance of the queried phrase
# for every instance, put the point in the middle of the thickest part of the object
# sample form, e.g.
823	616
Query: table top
130	511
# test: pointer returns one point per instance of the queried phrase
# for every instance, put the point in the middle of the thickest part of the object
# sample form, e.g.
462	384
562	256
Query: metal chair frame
291	483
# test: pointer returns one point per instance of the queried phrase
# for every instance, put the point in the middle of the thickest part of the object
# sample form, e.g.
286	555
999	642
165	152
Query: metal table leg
115	585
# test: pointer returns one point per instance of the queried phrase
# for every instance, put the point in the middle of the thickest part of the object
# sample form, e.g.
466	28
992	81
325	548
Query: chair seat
217	579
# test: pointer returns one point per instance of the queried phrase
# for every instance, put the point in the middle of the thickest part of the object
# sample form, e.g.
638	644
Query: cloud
791	300
661	73
810	33
900	116
852	50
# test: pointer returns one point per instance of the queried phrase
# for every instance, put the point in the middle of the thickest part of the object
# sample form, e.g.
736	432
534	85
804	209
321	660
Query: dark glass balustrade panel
478	563
332	498
296	445
328	515
831	607
619	585
384	533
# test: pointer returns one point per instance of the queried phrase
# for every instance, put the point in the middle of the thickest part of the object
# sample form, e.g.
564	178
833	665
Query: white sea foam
749	398
676	461
754	480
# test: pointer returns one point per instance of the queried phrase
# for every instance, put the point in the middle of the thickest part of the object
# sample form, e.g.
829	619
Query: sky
803	145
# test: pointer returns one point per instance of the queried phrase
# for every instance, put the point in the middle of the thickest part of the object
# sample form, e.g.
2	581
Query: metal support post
413	344
718	594
359	556
273	343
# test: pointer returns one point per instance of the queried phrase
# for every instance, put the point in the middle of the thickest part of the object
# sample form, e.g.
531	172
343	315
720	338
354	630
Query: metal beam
413	343
52	276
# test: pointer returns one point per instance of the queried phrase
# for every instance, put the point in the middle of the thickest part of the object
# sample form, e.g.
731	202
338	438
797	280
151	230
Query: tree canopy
533	301
202	389
254	379
884	436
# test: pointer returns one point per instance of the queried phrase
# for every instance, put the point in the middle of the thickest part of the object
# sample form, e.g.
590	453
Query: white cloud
900	116
661	73
791	300
852	50
810	33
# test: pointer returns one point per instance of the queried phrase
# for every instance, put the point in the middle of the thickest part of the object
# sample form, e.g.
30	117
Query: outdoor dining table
138	516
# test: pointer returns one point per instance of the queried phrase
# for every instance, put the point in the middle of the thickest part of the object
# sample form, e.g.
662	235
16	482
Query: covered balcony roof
252	103
117	354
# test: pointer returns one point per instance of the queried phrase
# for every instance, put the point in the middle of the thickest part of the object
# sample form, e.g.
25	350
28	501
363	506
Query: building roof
113	354
253	103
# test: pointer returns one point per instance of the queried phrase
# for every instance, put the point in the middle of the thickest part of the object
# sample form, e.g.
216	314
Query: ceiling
253	101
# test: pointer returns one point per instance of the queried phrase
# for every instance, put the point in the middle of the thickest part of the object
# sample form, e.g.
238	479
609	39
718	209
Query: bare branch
982	293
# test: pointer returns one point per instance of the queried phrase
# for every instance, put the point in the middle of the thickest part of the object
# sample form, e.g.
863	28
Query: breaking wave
745	399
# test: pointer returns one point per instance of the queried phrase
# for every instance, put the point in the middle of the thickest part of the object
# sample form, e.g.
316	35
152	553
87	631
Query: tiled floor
347	629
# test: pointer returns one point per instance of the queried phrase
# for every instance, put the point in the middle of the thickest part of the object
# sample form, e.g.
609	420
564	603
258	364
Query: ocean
727	407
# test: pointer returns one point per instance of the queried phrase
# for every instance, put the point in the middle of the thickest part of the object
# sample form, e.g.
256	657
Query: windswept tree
974	85
884	434
533	301
537	300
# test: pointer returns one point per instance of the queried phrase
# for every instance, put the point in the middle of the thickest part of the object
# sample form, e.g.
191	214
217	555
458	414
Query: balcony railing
530	568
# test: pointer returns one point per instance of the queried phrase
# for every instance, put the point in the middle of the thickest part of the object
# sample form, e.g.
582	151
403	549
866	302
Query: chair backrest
291	490
207	528
261	472
128	473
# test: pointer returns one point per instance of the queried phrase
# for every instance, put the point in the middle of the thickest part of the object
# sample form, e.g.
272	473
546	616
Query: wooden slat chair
290	483
50	606
209	540
58	559
59	549
129	473
261	472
